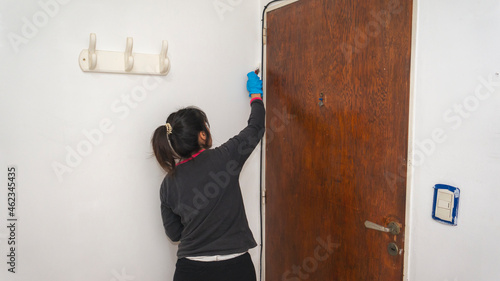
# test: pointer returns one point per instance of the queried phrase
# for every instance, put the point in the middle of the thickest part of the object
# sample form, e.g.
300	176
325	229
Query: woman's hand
254	85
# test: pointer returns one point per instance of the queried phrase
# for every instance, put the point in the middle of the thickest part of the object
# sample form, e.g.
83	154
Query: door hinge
264	36
264	197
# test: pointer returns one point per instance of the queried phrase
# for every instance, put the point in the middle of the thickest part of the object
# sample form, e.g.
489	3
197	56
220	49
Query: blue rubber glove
254	84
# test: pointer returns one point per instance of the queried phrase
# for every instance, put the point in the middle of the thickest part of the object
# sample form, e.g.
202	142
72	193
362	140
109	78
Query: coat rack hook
124	62
129	59
164	61
92	54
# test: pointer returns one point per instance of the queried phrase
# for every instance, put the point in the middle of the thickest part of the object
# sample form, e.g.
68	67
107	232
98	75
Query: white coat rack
93	60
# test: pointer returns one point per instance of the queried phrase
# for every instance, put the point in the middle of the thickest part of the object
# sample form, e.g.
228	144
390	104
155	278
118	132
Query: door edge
272	7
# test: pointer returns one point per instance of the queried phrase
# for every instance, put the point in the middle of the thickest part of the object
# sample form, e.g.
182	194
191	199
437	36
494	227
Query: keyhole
392	249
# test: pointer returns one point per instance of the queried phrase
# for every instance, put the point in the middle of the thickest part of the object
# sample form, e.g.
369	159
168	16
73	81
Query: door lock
392	248
392	227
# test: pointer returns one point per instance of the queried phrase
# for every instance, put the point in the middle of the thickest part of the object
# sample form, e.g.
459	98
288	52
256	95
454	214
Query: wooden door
331	167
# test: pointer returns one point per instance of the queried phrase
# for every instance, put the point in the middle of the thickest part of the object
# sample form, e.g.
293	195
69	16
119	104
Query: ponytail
162	149
181	141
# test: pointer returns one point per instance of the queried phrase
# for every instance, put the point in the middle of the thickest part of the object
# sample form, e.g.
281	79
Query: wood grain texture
330	168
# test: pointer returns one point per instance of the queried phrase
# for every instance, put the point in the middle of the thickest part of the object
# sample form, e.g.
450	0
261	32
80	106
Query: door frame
411	122
409	160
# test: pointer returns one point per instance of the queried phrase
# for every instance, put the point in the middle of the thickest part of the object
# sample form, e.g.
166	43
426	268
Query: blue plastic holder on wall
445	204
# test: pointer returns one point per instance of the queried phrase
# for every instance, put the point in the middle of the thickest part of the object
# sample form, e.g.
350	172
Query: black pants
237	269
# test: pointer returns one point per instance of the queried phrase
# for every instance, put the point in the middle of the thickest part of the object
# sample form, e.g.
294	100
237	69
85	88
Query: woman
201	202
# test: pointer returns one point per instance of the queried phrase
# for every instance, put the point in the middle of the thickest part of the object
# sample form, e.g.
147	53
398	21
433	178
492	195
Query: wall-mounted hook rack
92	60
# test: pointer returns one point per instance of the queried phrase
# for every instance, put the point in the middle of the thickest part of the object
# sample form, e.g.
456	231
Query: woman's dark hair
186	124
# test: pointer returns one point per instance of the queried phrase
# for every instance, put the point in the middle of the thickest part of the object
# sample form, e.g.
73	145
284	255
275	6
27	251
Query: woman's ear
202	138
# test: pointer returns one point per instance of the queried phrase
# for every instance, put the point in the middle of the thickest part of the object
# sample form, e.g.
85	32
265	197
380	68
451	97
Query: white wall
101	221
457	46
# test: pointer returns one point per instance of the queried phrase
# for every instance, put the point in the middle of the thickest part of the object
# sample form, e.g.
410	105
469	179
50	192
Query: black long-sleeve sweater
201	202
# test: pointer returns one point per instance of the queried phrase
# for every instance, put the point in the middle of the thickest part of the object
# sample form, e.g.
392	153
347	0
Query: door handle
392	227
